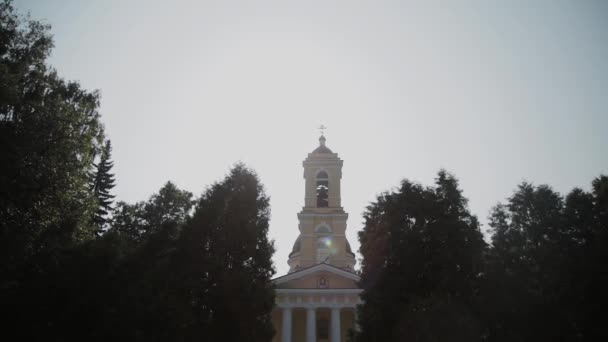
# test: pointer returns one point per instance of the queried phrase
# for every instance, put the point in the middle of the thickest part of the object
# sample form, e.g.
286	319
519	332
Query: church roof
315	268
322	148
296	246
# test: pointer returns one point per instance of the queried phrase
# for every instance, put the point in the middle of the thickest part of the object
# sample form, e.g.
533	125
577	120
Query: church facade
316	300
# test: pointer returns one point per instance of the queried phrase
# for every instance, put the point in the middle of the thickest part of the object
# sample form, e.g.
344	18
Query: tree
49	130
131	266
204	277
142	278
546	269
170	206
103	182
128	220
422	257
524	265
222	266
596	299
49	134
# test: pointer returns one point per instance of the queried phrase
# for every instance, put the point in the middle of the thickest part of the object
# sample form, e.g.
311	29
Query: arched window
322	190
323	283
323	229
323	248
322	174
324	242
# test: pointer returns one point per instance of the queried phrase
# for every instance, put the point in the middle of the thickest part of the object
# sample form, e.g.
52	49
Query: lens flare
327	243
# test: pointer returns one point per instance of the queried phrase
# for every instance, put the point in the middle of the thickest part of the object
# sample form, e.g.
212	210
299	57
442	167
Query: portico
316	314
340	322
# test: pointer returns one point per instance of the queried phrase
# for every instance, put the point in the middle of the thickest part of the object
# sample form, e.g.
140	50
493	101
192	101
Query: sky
496	92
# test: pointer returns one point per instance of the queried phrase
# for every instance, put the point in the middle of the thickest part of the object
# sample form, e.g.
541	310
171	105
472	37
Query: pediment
320	276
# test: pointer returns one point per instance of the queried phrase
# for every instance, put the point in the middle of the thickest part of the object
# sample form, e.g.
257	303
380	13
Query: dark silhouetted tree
547	266
524	267
422	259
49	134
596	265
103	182
138	221
223	264
128	220
170	205
145	235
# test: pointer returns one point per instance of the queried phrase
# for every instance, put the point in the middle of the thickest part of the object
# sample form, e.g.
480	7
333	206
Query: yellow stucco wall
309	240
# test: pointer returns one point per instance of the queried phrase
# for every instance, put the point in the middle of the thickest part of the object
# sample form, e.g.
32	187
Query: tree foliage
428	276
103	182
170	206
49	134
200	277
223	263
154	272
547	265
422	257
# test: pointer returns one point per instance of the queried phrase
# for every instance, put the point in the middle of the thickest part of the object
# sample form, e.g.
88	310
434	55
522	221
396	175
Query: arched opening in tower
322	190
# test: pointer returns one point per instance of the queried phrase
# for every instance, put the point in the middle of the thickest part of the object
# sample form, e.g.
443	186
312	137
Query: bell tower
322	221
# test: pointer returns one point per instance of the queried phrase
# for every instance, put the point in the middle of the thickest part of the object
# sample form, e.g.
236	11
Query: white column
286	331
335	325
311	325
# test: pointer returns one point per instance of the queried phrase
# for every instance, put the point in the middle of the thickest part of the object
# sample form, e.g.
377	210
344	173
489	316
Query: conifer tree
546	272
103	182
422	256
223	265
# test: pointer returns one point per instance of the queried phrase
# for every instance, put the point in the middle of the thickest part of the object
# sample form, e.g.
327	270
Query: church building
316	300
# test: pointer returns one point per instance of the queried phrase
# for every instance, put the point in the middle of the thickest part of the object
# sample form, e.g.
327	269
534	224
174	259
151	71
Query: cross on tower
322	129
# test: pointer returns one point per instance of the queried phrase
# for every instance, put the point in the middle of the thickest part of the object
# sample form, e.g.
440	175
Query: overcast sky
496	92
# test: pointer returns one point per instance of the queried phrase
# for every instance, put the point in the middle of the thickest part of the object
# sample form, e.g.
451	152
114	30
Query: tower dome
322	148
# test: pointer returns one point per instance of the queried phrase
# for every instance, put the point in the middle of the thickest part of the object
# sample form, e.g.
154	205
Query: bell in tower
322	221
